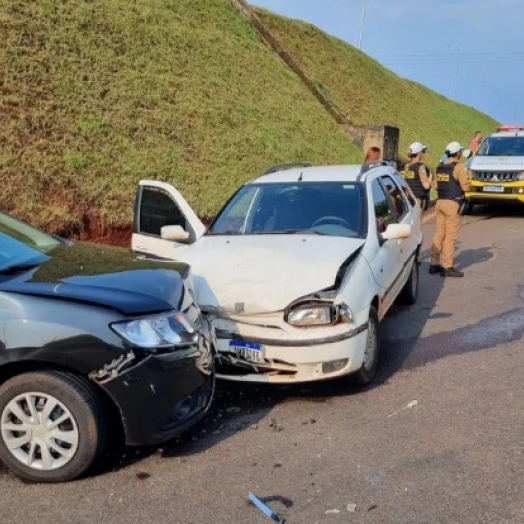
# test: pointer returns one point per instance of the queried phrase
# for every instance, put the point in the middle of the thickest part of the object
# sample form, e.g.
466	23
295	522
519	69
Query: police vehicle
497	168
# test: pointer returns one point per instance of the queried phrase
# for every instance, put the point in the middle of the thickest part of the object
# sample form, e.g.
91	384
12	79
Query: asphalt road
438	438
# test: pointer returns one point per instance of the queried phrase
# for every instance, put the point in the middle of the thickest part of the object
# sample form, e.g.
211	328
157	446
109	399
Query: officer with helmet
452	182
417	175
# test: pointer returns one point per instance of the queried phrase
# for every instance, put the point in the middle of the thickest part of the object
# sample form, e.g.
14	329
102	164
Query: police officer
417	175
452	182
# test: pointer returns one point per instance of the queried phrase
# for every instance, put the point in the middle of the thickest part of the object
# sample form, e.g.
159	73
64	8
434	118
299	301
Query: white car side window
396	197
381	204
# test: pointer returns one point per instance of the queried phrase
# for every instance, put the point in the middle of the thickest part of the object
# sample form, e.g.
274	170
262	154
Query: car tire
42	450
468	208
366	373
408	294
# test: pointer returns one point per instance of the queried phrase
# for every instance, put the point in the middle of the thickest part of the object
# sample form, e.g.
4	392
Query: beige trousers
447	227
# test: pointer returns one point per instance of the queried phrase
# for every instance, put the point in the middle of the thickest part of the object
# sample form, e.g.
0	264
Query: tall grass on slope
97	95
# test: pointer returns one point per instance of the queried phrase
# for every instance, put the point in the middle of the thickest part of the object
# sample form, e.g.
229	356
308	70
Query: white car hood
254	274
497	163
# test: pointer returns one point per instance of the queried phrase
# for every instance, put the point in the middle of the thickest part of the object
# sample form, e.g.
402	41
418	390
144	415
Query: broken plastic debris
351	508
332	511
265	509
410	405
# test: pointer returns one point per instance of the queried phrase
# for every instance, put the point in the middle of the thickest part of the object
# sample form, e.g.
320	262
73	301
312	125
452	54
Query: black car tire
366	373
468	208
408	294
80	401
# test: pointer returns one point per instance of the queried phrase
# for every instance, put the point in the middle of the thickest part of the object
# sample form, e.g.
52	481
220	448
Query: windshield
323	208
21	244
502	146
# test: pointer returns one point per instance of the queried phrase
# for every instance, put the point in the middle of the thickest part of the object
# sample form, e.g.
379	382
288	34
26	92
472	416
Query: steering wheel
332	220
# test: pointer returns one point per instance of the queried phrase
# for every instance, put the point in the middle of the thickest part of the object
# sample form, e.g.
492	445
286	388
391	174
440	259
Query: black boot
434	269
450	272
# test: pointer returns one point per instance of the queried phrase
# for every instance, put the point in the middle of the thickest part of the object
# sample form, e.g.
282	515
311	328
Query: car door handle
142	248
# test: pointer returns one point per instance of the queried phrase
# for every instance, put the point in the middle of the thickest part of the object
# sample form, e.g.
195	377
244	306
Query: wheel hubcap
39	431
371	346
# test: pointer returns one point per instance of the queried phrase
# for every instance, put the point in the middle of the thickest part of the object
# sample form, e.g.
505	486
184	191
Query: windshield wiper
291	232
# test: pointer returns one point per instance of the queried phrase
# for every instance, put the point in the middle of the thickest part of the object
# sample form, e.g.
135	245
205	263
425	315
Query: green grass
368	93
95	96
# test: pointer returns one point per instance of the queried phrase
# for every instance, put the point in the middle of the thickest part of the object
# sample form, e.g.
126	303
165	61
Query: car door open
164	223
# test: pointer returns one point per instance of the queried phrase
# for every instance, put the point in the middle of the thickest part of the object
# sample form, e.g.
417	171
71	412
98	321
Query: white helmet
453	148
416	147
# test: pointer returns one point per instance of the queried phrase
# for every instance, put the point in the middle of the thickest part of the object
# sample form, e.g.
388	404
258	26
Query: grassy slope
368	93
96	95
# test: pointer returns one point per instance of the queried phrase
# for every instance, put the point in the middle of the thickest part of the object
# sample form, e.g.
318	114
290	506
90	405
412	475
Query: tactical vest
448	187
410	174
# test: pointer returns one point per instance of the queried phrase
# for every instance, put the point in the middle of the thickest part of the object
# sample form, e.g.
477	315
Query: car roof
507	134
336	173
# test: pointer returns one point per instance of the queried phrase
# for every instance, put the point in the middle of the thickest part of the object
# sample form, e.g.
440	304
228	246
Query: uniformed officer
452	182
417	175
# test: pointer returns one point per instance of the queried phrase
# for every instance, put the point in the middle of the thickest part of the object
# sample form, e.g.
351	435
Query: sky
470	51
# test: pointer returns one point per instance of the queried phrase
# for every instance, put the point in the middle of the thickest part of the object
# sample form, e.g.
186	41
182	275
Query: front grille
496	176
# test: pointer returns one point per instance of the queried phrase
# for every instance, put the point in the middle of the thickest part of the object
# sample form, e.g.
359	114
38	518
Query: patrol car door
164	224
385	259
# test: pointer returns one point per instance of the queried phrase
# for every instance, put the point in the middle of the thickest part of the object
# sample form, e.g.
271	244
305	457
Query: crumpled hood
103	276
497	163
263	273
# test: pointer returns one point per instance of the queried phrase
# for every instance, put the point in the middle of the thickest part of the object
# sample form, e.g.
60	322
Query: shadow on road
403	326
237	407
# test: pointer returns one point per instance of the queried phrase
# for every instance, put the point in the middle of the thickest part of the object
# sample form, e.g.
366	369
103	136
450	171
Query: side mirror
466	153
174	233
396	232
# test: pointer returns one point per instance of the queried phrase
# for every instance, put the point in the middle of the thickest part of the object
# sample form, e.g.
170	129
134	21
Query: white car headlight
160	331
311	315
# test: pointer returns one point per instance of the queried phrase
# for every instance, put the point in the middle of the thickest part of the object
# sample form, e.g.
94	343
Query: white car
297	269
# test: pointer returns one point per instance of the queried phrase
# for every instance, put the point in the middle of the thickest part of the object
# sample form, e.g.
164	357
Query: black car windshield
21	244
502	146
316	208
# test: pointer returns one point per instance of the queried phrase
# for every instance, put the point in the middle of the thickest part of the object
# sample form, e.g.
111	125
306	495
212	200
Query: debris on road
275	425
410	405
351	508
332	511
265	509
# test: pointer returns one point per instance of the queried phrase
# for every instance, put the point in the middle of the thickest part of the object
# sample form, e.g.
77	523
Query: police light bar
510	128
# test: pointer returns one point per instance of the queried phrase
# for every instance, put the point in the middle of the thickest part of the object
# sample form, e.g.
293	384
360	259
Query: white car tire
408	294
366	373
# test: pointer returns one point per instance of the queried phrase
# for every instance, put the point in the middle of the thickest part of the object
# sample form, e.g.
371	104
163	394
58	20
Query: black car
90	335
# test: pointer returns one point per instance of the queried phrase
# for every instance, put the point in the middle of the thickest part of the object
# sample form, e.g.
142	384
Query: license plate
247	350
493	189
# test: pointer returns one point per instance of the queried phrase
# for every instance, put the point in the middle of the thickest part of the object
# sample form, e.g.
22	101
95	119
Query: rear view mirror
396	232
174	233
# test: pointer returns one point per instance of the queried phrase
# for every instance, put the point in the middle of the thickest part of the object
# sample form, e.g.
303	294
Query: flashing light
510	128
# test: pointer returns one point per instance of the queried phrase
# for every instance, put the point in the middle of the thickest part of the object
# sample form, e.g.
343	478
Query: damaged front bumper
160	395
280	353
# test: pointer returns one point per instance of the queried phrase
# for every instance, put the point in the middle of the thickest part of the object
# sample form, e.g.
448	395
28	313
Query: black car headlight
157	332
318	315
